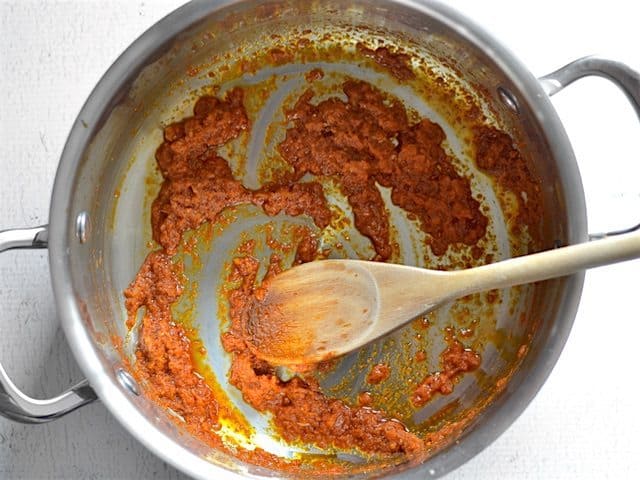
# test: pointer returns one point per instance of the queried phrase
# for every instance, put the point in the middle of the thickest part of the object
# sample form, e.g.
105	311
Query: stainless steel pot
89	262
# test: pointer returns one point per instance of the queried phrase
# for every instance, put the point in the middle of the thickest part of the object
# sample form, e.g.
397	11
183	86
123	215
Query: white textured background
585	421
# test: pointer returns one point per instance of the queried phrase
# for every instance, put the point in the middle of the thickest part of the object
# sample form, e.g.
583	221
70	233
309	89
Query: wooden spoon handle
549	264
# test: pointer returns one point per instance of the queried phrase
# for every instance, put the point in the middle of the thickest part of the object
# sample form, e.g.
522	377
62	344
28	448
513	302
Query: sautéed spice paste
368	142
364	144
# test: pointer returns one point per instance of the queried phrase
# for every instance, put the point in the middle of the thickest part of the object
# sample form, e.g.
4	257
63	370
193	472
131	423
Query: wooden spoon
323	309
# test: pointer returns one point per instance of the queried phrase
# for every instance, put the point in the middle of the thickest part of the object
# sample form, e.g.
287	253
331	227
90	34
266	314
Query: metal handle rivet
127	381
508	99
82	226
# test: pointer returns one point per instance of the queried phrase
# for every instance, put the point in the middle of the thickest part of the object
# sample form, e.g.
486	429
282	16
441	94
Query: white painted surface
584	422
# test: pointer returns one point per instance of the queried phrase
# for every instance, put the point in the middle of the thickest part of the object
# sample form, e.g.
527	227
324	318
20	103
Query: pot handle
627	79
14	404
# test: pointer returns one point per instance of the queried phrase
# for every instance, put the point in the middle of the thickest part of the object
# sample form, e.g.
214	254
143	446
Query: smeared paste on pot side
360	143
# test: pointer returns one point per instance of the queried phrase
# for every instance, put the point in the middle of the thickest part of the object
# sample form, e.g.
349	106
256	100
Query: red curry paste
364	143
368	141
455	360
378	374
397	63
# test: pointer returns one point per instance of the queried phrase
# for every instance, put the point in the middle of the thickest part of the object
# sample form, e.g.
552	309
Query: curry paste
364	143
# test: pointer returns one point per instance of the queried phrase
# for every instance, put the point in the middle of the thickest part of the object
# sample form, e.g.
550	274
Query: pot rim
496	418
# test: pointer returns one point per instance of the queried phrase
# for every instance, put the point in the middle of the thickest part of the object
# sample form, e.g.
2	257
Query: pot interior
233	47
